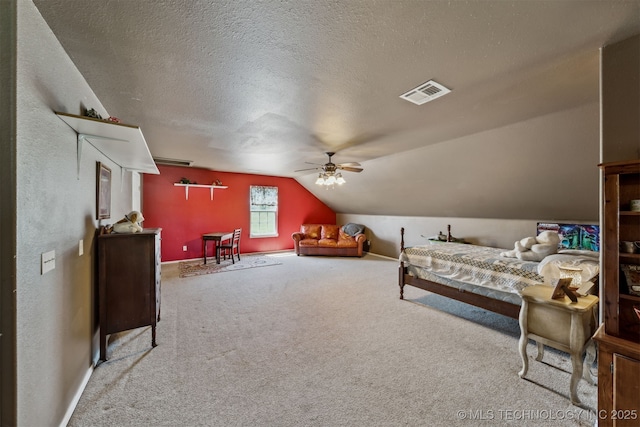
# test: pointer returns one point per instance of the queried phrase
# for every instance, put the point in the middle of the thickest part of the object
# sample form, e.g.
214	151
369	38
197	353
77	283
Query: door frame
8	170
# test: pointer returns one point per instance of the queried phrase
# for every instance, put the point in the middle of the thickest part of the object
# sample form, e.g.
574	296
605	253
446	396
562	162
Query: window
264	211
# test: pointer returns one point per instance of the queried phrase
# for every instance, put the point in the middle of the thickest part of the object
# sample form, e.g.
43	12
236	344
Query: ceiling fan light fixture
330	174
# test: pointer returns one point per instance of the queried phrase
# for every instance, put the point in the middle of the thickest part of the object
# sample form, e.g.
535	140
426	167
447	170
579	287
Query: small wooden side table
218	237
560	324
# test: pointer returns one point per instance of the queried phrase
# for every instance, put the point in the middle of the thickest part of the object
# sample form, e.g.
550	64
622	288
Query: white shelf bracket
186	188
83	137
79	149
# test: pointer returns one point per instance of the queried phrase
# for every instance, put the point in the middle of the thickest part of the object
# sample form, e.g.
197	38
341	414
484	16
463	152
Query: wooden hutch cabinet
619	337
129	283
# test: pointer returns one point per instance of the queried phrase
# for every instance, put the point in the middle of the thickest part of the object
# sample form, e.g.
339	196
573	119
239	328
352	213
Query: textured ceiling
263	87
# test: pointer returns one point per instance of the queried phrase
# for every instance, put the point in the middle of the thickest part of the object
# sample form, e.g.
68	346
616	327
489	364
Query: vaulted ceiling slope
263	87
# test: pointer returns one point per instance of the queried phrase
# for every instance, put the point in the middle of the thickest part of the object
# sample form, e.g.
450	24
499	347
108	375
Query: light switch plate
81	247
48	261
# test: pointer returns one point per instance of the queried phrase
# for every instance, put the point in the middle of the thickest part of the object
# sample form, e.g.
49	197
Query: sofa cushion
311	231
328	243
330	232
343	235
347	243
308	242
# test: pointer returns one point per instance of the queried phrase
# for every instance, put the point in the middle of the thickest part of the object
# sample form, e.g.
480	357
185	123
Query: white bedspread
476	265
483	266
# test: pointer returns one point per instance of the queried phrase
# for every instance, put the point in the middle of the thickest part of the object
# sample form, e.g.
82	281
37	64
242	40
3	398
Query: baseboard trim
382	256
76	398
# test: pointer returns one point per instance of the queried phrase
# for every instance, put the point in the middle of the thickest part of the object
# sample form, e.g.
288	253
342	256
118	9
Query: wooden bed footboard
497	306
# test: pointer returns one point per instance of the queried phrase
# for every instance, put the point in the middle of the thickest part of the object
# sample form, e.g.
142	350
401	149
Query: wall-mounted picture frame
103	191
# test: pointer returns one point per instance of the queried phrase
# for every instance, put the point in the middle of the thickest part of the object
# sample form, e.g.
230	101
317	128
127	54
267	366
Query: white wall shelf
186	188
122	144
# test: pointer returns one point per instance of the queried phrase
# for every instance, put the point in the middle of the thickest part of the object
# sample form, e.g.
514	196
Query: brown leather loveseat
329	239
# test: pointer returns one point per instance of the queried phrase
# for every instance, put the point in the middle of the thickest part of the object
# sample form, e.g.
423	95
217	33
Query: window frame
254	234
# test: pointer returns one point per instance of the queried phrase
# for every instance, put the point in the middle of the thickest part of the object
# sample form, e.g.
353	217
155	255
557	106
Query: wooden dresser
619	337
129	283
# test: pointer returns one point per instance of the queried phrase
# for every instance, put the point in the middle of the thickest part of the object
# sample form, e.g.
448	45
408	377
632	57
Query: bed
480	276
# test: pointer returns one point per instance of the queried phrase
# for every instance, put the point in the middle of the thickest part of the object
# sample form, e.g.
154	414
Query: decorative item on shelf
630	247
129	224
184	180
577	285
95	115
634	205
632	277
562	289
217	182
92	113
441	237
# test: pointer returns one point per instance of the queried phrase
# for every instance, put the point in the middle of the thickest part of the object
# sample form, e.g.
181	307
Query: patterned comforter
473	265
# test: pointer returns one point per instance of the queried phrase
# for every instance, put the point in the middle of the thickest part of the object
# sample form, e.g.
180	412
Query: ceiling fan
330	172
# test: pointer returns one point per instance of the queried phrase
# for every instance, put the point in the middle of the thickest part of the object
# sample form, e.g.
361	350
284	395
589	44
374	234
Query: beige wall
56	336
384	231
542	167
621	100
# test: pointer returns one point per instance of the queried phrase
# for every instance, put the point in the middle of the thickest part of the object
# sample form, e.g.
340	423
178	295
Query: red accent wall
184	221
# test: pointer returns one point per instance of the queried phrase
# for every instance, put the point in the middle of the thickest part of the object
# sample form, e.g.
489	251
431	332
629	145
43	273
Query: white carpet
323	341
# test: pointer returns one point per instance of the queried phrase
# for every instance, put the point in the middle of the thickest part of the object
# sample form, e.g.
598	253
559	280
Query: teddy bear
129	224
535	248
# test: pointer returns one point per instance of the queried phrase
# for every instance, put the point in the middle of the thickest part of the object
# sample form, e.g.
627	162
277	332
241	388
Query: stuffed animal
535	248
129	224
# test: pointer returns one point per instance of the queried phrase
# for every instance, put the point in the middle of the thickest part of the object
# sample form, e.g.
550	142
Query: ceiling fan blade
308	169
356	164
349	169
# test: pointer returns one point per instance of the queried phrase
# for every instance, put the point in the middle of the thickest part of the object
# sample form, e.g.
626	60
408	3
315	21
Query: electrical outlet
184	248
48	261
81	247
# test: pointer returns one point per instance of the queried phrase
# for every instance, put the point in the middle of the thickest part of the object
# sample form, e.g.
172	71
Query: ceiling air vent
172	162
425	92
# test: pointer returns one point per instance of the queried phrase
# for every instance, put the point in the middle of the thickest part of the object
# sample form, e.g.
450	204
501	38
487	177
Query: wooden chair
232	246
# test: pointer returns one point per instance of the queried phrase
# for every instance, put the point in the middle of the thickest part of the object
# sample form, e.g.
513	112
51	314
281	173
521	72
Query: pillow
330	232
311	231
551	266
579	252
